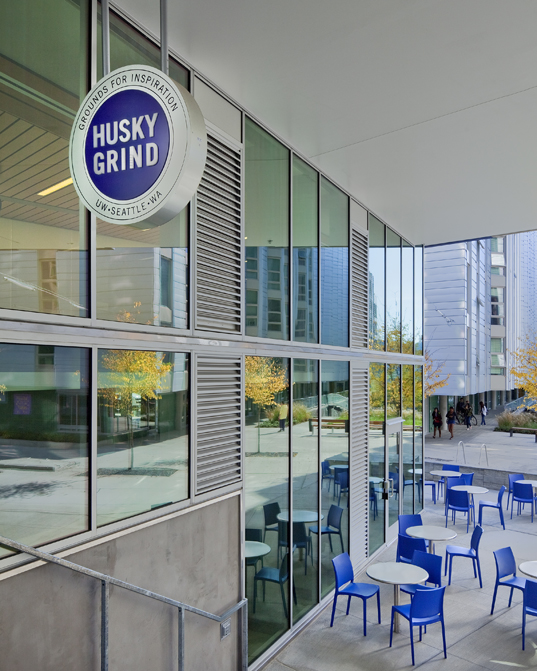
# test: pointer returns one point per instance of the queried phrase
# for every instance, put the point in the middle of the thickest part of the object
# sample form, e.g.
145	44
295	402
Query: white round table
305	516
446	474
397	573
417	471
375	480
528	568
431	533
255	549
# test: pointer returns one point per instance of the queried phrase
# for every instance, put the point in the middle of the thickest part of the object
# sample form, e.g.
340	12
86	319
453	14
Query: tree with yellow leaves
433	378
131	374
265	377
525	369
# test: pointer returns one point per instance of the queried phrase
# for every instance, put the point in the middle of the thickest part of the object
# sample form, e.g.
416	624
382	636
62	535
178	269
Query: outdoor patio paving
475	639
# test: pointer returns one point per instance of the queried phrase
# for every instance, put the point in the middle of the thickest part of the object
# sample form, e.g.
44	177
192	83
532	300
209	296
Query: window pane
496	344
334	432
142	275
305	483
393	291
377	374
305	252
418	435
418	300
143	429
408	439
407	298
43	248
393	391
44	433
334	265
377	264
267	232
266	491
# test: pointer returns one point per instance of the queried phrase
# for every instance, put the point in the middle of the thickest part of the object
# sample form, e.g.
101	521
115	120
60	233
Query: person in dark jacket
451	419
437	423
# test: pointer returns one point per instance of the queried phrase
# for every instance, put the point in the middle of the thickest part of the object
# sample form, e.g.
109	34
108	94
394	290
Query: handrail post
244	636
105	594
181	640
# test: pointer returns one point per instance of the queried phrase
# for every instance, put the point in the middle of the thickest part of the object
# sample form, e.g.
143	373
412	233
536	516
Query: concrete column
443	410
493	400
426	415
502	397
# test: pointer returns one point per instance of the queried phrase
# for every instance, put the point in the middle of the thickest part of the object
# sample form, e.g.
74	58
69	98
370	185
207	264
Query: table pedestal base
396	603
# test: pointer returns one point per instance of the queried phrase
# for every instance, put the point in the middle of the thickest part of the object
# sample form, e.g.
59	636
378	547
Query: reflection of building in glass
373	326
334	293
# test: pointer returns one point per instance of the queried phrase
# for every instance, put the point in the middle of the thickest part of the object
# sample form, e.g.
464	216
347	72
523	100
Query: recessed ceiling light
56	187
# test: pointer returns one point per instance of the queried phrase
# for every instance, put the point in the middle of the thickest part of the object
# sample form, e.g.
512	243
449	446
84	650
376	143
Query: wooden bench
520	429
327	423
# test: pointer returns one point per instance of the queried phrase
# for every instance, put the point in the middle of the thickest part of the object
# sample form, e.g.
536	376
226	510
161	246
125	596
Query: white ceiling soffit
425	110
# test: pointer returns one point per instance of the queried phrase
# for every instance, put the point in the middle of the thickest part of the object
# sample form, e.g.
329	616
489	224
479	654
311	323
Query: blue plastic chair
529	606
406	521
442	481
458	502
513	477
471	553
271	512
406	547
491	504
395	477
346	586
326	473
506	566
432	564
427	607
522	494
428	483
343	482
466	479
333	526
280	576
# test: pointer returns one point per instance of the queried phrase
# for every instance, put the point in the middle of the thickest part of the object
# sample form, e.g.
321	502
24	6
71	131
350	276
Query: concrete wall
50	617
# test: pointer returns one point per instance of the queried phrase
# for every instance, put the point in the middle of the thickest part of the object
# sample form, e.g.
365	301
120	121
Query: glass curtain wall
418	300
266	234
305	252
377	405
142	433
408	438
393	291
44	442
334	265
142	275
334	431
418	434
407	298
266	491
305	469
43	228
377	265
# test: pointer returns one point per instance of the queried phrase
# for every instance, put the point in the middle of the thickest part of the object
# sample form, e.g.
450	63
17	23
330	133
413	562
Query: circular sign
138	148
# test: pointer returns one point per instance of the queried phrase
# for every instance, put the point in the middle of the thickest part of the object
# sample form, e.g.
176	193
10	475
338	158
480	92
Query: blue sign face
127	144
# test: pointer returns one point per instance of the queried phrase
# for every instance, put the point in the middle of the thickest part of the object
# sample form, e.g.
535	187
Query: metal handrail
107	580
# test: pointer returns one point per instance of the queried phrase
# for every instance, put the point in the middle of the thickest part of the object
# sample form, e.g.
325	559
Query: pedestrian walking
468	416
282	416
437	422
483	412
451	419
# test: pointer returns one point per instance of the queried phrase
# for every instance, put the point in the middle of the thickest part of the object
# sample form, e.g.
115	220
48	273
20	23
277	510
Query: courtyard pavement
475	639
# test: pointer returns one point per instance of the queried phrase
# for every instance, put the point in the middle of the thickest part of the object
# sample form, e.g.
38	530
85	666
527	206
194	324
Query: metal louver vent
359	315
359	467
218	241
218	422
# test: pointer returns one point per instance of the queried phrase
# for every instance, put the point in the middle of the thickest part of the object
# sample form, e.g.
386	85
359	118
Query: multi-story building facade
477	306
